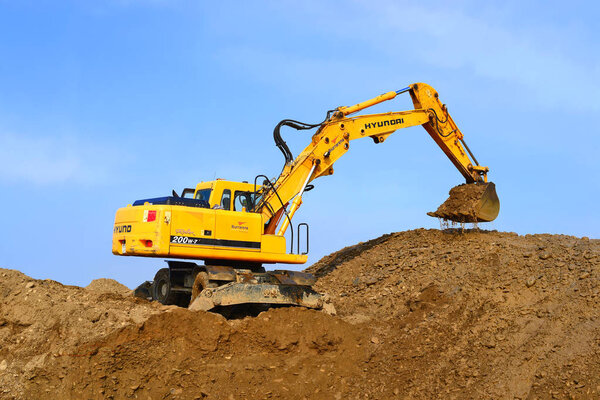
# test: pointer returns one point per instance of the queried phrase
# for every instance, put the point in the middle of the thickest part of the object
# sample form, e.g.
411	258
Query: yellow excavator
236	228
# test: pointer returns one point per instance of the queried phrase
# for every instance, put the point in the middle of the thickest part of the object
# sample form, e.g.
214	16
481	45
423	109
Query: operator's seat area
226	203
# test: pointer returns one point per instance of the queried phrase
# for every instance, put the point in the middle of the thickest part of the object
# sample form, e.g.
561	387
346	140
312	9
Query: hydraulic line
469	150
282	145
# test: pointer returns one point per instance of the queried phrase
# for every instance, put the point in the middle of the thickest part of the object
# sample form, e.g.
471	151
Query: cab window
241	200
226	199
203	194
188	193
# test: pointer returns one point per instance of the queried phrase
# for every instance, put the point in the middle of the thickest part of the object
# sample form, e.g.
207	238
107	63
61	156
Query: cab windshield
203	194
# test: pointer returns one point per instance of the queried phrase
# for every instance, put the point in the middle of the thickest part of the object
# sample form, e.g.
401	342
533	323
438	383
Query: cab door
237	229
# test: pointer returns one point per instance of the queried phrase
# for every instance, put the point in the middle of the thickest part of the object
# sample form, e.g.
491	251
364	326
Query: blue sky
106	102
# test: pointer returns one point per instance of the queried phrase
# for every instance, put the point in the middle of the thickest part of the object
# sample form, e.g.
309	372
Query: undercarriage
211	287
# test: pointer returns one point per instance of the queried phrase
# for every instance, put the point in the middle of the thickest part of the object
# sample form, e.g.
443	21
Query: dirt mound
108	286
422	314
187	355
475	314
42	319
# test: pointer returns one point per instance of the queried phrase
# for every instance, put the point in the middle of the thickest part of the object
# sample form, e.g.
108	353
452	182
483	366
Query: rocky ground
421	314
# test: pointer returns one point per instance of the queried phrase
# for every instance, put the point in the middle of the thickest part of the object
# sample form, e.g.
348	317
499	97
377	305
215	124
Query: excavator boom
332	141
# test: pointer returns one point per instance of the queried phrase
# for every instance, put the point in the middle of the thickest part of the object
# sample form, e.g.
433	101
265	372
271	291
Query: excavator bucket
473	202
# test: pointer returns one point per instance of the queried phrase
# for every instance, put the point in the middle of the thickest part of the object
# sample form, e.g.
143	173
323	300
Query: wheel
162	288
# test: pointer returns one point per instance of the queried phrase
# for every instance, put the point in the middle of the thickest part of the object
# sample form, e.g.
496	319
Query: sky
106	102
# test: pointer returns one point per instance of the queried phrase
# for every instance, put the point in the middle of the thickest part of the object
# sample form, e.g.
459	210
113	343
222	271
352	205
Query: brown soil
462	204
108	286
421	314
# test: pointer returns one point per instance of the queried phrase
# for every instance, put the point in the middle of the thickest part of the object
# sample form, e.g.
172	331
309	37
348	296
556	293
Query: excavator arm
332	141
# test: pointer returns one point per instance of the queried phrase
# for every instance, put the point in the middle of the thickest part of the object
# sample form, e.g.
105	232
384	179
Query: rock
3	365
530	282
375	340
584	275
545	255
370	281
30	285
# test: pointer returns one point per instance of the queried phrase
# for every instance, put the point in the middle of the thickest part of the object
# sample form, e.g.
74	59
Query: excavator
235	228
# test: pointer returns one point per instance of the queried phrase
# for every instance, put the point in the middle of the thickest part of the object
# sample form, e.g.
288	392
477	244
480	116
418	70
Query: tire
161	288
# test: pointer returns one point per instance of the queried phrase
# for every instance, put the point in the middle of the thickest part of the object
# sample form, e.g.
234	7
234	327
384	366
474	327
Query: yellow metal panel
133	236
238	229
273	244
191	227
